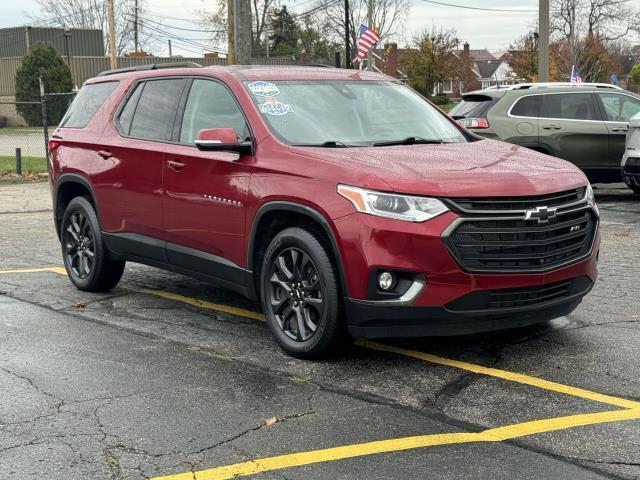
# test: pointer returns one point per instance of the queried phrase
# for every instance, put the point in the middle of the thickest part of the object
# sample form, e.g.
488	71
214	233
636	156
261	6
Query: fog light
386	280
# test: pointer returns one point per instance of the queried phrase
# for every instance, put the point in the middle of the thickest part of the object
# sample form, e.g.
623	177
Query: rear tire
85	258
301	296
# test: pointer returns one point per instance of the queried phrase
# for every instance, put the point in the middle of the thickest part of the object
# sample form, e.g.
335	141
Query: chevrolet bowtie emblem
540	214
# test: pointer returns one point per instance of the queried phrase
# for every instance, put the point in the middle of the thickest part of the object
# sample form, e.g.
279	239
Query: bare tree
91	14
215	19
388	17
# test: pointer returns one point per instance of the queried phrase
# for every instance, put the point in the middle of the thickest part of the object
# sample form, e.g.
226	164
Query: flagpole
370	25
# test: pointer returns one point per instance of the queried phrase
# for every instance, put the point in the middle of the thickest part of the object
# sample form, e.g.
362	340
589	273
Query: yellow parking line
504	374
630	409
241	312
499	434
58	270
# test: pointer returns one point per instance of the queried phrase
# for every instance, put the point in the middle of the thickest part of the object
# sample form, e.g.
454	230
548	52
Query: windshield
350	113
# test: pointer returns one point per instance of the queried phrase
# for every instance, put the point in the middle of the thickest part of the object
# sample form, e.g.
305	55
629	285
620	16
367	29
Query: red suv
342	200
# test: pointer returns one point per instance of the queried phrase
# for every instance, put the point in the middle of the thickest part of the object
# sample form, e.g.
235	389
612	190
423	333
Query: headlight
591	198
400	207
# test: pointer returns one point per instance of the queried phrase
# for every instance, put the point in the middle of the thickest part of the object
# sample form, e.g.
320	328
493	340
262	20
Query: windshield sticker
274	107
263	89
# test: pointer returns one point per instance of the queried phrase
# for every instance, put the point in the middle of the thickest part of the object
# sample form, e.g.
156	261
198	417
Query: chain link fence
24	132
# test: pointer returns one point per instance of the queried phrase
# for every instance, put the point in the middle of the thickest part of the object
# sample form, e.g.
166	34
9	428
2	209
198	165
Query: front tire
300	294
635	189
85	257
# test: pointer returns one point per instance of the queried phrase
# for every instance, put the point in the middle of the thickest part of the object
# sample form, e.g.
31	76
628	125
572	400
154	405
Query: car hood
481	168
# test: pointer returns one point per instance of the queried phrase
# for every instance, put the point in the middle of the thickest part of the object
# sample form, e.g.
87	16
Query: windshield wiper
409	141
327	144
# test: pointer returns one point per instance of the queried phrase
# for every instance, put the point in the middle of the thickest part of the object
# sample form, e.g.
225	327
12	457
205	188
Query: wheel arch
269	217
69	186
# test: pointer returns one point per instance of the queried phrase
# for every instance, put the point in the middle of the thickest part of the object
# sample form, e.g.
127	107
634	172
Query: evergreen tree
42	61
284	32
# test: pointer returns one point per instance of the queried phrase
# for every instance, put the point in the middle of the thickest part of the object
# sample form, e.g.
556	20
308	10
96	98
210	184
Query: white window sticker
264	89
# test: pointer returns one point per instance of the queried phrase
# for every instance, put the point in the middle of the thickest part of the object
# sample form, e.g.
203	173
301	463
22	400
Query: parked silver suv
631	158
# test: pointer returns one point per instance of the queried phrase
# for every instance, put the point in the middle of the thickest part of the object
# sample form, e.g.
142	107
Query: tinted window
569	106
619	108
126	116
527	106
156	110
86	104
473	106
210	105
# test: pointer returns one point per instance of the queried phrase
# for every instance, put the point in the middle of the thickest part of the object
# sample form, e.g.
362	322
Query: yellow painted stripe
399	444
504	374
58	270
241	312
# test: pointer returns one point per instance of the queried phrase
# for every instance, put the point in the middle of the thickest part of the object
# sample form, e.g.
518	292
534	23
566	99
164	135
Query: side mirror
635	121
222	139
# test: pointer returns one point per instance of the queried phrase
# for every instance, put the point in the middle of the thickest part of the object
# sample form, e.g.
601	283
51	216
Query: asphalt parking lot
168	377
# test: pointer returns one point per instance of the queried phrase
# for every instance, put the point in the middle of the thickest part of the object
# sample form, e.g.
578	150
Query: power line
183	29
466	7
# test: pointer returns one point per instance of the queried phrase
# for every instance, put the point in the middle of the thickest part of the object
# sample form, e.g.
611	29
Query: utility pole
170	53
370	59
239	32
135	26
67	51
543	41
112	35
347	40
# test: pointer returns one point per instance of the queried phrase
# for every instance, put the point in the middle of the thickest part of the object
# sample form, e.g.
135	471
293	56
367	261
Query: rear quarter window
86	104
528	106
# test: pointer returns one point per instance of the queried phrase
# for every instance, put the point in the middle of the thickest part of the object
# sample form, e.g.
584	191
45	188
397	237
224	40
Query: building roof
486	68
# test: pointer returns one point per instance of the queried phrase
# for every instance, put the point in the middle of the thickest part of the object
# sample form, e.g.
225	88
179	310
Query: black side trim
130	245
304	210
71	178
179	259
205	263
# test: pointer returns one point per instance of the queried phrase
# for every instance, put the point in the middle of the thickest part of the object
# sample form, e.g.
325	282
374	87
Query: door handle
105	154
175	165
620	129
551	127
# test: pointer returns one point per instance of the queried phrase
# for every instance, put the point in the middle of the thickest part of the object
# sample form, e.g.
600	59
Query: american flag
367	38
575	75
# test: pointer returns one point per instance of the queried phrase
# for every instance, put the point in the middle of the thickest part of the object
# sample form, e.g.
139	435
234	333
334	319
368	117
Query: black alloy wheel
296	294
86	260
301	294
79	245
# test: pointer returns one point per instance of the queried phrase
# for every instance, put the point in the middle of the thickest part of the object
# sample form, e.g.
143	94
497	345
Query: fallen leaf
270	421
79	305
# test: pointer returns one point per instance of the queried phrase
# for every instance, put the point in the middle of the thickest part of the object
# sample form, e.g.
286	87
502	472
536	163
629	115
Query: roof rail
524	86
150	66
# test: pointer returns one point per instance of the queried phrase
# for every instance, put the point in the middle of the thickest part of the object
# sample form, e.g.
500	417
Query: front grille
492	204
632	167
522	297
526	296
509	243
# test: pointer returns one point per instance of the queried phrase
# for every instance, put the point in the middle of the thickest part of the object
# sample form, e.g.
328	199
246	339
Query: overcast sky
482	29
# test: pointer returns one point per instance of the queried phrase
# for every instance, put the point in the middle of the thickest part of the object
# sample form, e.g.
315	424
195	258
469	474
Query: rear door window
86	104
569	106
528	106
126	116
619	108
473	106
156	108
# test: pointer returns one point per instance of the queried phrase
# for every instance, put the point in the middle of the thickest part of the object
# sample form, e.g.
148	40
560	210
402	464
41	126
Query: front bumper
371	320
448	303
631	168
